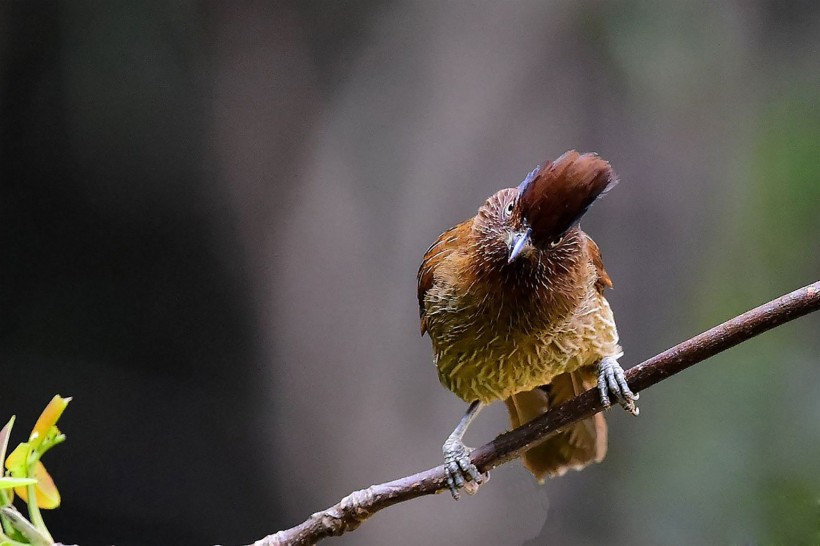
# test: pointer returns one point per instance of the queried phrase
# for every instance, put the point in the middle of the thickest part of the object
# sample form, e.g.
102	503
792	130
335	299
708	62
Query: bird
513	302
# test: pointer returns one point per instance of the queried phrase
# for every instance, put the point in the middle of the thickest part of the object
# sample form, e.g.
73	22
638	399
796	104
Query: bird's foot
611	379
461	472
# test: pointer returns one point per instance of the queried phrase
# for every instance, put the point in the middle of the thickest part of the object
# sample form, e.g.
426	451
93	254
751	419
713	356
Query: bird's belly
498	370
493	366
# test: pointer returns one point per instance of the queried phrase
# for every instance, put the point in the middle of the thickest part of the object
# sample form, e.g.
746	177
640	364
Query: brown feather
446	243
561	192
602	281
574	447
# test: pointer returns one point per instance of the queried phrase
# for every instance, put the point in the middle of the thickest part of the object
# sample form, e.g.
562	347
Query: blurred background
211	216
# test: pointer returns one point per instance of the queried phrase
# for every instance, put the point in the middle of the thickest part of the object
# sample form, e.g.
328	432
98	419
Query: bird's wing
446	244
602	281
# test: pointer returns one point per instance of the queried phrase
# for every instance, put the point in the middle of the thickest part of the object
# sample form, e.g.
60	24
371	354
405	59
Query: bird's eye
509	208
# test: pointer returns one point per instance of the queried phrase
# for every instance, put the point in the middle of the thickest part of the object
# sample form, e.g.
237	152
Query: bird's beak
519	241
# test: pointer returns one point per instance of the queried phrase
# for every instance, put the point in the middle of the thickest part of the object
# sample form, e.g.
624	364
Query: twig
355	508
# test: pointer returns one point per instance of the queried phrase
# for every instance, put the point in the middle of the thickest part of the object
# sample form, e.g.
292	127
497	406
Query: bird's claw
611	379
461	472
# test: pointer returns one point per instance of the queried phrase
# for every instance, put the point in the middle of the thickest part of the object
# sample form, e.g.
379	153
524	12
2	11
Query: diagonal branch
355	508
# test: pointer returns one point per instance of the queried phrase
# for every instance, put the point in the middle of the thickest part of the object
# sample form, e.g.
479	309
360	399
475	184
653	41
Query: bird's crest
554	197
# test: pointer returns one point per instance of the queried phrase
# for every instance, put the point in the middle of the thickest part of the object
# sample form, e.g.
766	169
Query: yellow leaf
47	419
45	492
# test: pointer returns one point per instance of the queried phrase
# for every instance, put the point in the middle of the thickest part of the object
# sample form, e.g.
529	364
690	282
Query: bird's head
550	201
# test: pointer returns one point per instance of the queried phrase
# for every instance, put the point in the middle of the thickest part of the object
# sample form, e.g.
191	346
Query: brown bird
513	302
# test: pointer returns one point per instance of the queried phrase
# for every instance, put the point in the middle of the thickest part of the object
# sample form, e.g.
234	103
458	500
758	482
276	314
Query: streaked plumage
530	331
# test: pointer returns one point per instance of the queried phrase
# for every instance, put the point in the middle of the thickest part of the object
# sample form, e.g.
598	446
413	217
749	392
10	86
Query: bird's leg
460	469
611	379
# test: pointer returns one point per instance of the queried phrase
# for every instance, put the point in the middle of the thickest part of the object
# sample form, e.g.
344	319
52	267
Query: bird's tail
573	448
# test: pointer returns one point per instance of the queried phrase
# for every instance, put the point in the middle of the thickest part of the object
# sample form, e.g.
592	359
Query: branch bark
355	508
